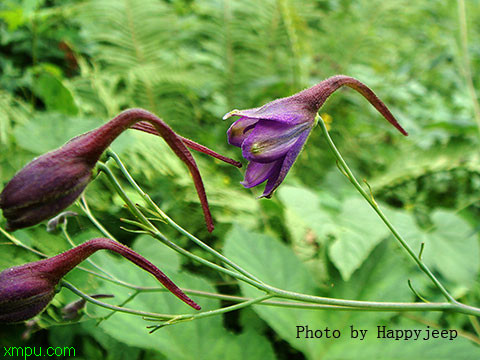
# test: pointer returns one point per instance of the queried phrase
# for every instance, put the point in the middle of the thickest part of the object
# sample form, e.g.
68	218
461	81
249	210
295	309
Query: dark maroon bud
72	310
53	181
26	290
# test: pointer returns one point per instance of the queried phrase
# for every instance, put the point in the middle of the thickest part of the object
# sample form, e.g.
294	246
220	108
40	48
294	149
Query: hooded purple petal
240	129
287	110
283	126
275	179
271	140
257	173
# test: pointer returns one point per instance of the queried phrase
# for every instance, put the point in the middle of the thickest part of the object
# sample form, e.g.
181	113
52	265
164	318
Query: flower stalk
380	213
284	294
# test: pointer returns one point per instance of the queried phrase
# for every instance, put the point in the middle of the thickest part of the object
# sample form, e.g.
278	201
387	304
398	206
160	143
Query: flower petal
257	173
271	140
275	179
240	129
287	110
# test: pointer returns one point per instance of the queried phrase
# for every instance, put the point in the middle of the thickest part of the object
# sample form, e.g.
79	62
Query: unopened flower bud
53	181
26	290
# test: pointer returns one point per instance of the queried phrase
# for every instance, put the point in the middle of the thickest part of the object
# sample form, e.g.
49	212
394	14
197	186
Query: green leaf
199	339
358	230
54	94
354	225
383	277
50	131
453	249
277	265
451	246
305	211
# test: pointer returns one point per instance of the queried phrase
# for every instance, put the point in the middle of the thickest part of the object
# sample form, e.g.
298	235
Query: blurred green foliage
67	66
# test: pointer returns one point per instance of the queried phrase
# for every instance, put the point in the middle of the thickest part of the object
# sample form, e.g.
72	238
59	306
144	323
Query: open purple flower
272	136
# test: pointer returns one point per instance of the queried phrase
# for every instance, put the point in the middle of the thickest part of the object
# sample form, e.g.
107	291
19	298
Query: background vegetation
68	66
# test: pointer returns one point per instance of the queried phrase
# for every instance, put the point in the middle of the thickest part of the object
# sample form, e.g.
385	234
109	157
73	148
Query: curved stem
88	298
204	314
86	209
366	305
172	223
380	213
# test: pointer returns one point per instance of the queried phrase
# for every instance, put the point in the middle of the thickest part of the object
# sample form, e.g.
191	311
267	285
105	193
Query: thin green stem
366	305
462	18
86	209
204	314
127	300
475	324
380	213
172	223
76	291
21	244
159	236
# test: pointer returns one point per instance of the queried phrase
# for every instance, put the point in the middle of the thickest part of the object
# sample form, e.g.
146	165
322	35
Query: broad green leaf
383	277
275	264
453	249
358	230
54	94
451	246
305	211
200	339
50	131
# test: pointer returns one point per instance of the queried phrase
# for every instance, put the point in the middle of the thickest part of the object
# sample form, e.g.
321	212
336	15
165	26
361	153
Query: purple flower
52	182
26	290
272	136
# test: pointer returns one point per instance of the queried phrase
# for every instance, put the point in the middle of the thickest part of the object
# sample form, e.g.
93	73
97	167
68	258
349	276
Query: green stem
172	223
127	300
366	305
76	291
466	60
204	314
380	213
86	209
159	236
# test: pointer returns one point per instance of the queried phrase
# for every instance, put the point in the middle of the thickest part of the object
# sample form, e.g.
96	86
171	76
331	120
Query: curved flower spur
26	290
272	136
53	181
